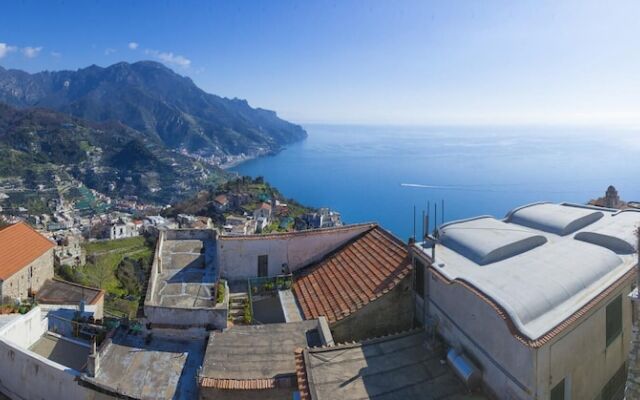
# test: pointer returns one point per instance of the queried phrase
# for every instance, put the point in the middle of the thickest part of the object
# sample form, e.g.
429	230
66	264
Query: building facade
538	301
26	261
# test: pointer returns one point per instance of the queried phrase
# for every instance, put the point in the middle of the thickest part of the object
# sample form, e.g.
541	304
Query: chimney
93	361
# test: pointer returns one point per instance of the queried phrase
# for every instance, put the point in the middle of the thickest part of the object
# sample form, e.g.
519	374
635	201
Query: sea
391	175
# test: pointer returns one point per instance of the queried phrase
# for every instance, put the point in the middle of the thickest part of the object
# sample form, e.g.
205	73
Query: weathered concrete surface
183	277
392	368
69	353
185	280
289	306
257	351
159	369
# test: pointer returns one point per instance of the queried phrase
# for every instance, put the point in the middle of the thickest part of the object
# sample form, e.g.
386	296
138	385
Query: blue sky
375	62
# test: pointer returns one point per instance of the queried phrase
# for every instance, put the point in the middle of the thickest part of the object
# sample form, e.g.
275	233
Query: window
614	319
557	393
614	389
263	265
418	283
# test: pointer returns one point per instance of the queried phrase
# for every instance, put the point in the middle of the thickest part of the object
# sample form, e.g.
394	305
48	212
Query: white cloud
56	54
169	58
109	51
133	45
31	52
6	49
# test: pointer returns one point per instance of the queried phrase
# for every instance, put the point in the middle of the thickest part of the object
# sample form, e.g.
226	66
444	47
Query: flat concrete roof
245	352
55	291
63	351
187	278
159	369
543	262
399	367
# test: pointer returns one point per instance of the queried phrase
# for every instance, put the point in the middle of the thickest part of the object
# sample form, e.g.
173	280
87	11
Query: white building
121	230
538	301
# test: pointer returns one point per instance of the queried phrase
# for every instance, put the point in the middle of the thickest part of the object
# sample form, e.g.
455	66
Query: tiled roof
248	384
301	375
20	245
351	277
221	199
255	357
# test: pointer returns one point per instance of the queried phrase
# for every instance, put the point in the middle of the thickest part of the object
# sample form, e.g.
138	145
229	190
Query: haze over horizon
565	62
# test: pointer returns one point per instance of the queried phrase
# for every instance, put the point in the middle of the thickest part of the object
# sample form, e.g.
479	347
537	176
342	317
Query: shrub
248	318
220	293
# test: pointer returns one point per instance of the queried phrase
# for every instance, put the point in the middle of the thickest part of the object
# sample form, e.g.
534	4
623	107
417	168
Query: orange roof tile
248	384
20	245
351	277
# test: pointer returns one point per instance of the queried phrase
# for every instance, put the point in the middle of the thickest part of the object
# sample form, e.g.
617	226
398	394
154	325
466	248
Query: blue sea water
361	171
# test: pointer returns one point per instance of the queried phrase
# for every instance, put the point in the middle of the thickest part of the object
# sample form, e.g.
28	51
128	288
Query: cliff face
152	99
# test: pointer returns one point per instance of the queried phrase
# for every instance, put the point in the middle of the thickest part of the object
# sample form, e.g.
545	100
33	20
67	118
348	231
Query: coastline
235	162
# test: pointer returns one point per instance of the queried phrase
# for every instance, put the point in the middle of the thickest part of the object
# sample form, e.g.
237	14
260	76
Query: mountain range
37	145
152	99
135	129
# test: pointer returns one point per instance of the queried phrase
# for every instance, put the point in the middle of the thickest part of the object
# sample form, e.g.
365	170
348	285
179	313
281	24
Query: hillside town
484	308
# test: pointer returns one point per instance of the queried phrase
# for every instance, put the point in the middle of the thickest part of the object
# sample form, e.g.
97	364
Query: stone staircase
236	307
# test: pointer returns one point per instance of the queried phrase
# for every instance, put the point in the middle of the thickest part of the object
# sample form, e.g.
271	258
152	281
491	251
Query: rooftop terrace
156	369
185	275
55	291
256	356
397	367
67	352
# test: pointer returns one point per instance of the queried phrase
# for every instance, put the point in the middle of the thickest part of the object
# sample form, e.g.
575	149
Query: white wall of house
27	375
582	357
26	329
121	231
468	323
238	256
514	370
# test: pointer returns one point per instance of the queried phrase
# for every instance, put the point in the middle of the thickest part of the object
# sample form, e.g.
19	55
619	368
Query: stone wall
391	313
31	277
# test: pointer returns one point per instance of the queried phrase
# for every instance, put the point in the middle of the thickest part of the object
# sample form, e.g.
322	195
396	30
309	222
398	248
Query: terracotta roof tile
301	375
20	245
351	277
247	384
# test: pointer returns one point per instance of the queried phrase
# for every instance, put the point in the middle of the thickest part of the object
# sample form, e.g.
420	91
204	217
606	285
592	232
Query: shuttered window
614	319
418	284
557	393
